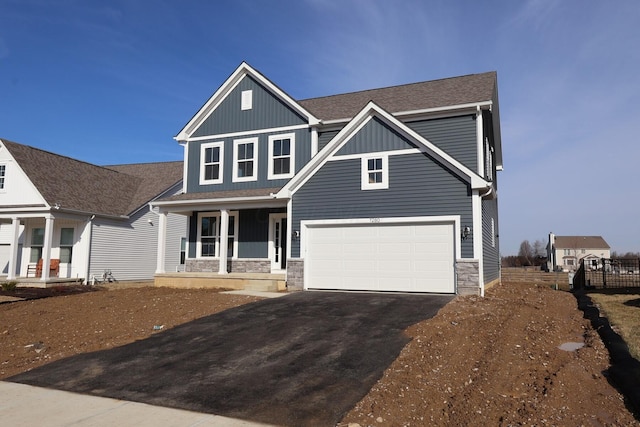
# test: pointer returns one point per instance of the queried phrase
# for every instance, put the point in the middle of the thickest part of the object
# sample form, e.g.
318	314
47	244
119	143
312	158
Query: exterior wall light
466	232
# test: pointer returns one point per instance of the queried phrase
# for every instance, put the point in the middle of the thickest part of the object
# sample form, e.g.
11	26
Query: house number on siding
374	220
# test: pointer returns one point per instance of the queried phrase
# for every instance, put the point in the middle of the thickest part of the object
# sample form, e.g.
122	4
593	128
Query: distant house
566	252
63	219
389	189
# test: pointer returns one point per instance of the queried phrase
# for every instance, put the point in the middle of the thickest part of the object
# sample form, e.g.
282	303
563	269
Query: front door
278	241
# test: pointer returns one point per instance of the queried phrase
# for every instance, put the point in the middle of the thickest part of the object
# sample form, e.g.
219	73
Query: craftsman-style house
64	220
391	189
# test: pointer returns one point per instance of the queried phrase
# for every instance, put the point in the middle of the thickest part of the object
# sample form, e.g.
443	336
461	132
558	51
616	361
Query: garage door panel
416	257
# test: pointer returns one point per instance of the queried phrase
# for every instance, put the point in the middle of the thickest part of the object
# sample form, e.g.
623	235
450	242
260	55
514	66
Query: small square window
375	173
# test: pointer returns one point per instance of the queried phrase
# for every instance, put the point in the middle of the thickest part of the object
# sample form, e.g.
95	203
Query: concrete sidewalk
23	405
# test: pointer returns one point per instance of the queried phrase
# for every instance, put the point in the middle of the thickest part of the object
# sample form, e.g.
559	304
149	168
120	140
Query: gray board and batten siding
457	136
418	186
490	241
302	157
267	112
374	137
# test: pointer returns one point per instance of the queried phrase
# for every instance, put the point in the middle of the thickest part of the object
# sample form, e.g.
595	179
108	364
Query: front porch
266	282
51	282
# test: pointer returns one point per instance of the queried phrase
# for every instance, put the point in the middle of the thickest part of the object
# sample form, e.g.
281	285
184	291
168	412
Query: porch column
46	248
162	241
224	240
13	257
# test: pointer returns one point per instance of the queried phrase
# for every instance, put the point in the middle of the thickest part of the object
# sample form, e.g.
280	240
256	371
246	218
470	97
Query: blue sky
113	81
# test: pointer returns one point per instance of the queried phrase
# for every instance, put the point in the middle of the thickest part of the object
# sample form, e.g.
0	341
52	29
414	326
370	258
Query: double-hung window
245	159
37	242
3	171
375	172
66	244
211	161
209	234
281	156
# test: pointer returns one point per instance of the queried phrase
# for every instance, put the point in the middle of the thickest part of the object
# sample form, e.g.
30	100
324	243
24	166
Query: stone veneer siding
234	266
468	276
295	274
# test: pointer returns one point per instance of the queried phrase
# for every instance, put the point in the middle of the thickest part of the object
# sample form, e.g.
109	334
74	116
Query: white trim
455	219
185	166
203	148
365	171
314	141
292	155
217	236
426	111
374	154
246	100
254	159
273	217
476	209
247	133
480	142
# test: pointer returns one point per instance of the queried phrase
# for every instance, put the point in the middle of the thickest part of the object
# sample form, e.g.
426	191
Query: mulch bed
55	291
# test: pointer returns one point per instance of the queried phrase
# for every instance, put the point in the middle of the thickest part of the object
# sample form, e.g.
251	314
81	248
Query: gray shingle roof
81	186
580	242
461	90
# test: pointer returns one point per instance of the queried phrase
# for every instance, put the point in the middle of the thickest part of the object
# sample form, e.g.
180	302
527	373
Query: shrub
9	286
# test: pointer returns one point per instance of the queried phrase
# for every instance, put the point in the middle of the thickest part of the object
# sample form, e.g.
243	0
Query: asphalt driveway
303	359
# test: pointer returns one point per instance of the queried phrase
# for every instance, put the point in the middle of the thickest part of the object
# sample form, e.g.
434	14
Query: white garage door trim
407	275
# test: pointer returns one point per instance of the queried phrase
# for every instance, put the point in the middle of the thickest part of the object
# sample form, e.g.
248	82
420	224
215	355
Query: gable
267	111
373	137
17	189
373	120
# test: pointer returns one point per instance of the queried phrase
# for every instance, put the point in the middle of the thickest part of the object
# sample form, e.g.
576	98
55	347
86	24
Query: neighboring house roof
580	242
469	89
75	185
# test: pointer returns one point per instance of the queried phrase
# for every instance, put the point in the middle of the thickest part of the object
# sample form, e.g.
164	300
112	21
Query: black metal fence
605	273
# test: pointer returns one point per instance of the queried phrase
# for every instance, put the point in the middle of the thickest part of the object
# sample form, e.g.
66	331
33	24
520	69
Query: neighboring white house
566	252
62	218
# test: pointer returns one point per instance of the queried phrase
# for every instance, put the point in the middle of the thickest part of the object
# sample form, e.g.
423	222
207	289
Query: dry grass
623	312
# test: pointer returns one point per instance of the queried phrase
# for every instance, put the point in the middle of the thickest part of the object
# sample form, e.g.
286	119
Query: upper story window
245	162
246	102
211	158
375	172
281	156
3	170
208	243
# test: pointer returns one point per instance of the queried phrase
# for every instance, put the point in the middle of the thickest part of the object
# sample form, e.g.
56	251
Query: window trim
292	156
364	170
216	214
236	144
203	148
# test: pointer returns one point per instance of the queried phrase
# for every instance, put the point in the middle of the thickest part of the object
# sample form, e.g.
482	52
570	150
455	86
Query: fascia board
193	203
214	101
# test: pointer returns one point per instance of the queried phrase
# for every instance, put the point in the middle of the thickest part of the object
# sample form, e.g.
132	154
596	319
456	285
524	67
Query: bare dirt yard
497	360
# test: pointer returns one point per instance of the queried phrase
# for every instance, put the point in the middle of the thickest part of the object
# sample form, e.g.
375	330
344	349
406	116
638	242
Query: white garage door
380	257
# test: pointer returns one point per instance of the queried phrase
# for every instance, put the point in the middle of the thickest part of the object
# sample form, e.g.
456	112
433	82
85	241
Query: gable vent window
281	156
247	100
3	170
375	172
211	155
